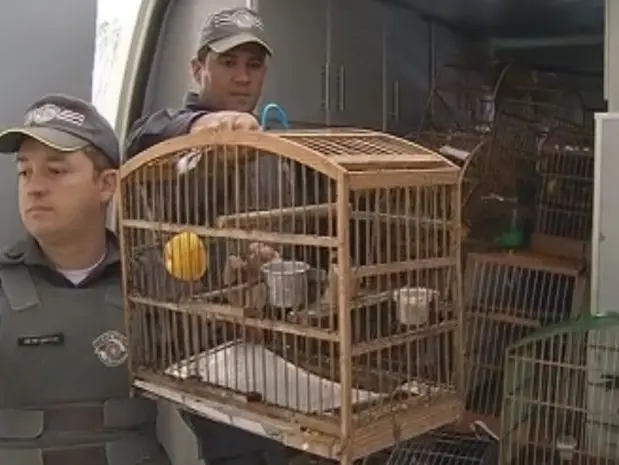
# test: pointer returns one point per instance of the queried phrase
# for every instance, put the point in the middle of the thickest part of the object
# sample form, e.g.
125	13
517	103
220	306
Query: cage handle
283	118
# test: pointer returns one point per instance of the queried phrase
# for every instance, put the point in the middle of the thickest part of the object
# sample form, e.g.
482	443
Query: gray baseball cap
66	124
229	28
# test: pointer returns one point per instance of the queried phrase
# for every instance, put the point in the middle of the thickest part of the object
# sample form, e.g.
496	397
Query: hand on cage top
226	120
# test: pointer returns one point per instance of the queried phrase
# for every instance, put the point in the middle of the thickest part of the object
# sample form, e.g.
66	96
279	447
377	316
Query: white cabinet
356	65
297	77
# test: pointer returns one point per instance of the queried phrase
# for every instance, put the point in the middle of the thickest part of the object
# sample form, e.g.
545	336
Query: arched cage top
331	152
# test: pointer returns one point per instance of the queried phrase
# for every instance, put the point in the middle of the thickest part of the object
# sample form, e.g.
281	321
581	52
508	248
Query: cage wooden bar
302	285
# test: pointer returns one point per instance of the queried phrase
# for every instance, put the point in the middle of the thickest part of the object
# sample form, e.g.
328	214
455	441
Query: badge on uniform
112	348
56	339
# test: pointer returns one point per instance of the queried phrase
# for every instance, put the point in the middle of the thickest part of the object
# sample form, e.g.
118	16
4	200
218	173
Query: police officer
64	381
229	68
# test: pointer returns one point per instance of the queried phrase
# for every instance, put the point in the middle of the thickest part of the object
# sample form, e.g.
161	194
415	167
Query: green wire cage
561	395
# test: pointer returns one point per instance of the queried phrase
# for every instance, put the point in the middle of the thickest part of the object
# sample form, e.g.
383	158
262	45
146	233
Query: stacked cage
507	296
564	207
509	293
531	105
560	395
523	140
301	285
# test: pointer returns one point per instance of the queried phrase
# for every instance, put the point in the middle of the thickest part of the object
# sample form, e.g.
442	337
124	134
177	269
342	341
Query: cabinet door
408	74
356	65
297	31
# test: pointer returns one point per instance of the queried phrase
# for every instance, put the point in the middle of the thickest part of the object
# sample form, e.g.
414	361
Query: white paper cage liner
252	368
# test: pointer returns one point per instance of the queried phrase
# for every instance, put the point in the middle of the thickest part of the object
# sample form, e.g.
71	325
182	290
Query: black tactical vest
64	381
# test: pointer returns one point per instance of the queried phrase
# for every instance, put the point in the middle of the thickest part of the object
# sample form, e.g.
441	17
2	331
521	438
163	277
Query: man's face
60	194
233	80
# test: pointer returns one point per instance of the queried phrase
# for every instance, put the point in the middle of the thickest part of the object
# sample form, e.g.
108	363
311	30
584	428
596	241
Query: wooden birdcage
507	296
560	401
302	285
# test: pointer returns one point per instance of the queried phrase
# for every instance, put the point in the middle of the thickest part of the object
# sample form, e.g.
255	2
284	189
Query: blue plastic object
283	119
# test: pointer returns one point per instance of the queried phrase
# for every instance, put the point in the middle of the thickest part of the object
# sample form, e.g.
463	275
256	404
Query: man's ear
196	70
108	182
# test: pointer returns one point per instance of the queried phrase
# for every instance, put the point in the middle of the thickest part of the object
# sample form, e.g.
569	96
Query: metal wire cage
564	206
463	96
533	109
471	152
457	123
546	99
482	113
305	283
560	403
507	296
442	448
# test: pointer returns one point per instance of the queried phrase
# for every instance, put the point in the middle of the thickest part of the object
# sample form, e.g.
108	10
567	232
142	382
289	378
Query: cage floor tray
252	368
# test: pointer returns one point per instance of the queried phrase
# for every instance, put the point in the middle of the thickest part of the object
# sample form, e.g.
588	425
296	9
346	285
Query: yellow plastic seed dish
186	257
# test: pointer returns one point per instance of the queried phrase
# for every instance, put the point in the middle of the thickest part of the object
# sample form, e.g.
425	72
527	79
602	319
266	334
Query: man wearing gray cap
65	387
229	68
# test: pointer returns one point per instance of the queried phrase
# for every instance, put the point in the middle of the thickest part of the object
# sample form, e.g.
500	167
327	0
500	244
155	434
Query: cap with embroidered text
231	27
66	124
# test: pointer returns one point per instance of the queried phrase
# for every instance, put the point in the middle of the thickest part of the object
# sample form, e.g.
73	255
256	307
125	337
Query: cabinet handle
324	87
342	89
396	100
